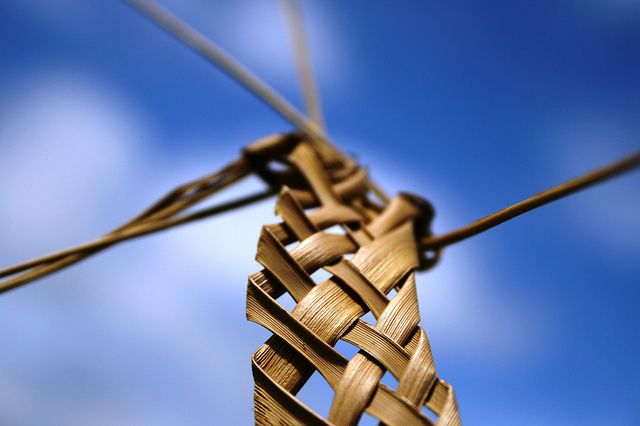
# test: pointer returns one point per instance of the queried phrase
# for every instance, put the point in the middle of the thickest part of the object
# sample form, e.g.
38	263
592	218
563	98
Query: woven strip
382	241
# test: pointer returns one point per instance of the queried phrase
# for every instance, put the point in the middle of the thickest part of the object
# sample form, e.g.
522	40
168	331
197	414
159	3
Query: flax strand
600	175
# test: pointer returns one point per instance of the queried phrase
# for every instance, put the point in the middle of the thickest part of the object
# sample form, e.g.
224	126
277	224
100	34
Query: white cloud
463	311
146	323
67	151
259	31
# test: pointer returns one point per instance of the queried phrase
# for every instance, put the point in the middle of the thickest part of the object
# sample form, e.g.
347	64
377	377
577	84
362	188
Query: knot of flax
279	162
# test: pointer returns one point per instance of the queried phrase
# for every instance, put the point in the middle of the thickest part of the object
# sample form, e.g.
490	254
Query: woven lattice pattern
375	254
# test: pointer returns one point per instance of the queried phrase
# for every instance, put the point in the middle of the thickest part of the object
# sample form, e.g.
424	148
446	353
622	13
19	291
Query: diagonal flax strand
612	170
302	57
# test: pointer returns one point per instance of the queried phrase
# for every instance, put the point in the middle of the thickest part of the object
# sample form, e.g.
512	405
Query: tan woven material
383	243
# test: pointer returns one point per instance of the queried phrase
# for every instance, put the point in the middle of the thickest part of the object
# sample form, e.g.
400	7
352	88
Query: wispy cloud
135	326
69	148
258	30
609	213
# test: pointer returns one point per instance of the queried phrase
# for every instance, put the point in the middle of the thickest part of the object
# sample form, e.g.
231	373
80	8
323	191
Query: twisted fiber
385	254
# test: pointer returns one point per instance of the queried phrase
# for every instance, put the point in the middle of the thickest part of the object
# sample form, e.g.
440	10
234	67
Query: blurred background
473	105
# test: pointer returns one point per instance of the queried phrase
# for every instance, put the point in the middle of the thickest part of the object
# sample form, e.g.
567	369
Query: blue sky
474	105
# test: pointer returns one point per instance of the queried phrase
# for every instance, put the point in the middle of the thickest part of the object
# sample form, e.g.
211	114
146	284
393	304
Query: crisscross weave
382	242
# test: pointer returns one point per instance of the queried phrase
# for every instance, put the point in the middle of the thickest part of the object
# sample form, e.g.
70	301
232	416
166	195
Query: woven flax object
382	242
